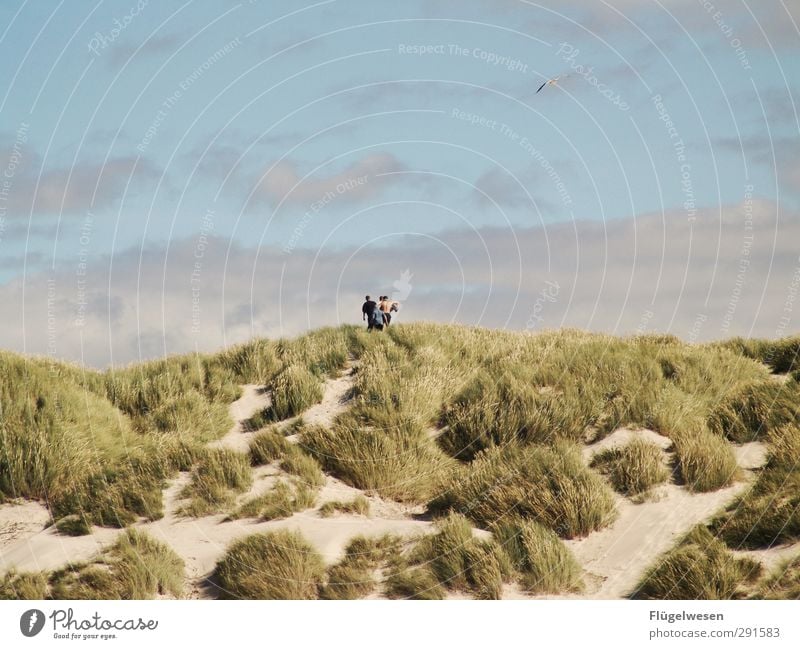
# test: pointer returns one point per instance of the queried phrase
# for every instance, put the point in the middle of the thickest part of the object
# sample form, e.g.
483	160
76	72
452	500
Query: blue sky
335	145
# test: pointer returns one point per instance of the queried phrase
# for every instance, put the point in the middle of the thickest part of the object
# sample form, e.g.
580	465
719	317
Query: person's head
367	298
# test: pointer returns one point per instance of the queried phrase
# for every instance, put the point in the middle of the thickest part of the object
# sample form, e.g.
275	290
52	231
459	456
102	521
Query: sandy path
19	521
254	398
772	558
335	393
616	557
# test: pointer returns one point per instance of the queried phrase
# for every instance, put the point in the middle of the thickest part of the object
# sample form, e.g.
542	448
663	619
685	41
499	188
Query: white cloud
282	182
612	277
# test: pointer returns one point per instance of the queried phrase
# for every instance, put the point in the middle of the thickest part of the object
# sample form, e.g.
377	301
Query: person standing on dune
387	307
367	311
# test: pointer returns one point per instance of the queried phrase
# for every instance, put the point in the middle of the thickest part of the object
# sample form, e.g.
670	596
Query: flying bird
551	82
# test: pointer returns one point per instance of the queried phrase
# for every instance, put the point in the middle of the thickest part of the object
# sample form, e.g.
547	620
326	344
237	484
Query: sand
336	392
616	557
254	398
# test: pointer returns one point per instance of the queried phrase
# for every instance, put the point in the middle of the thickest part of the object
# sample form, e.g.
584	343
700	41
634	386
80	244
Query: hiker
377	320
367	310
387	307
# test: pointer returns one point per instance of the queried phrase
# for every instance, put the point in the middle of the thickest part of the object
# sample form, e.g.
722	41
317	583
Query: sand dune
614	558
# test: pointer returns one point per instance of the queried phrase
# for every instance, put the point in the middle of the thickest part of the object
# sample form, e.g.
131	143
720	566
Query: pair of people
378	314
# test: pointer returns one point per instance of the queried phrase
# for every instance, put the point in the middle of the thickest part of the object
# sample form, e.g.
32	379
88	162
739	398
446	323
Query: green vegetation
296	462
547	484
359	505
23	585
780	356
486	424
354	576
540	560
768	513
455	560
783	583
293	390
414	583
753	409
275	565
699	567
705	460
283	500
134	567
634	468
267	446
218	477
398	464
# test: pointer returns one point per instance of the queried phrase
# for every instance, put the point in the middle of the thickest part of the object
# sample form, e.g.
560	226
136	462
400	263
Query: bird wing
542	86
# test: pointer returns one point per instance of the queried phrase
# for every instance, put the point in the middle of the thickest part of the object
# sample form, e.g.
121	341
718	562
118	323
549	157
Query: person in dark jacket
367	309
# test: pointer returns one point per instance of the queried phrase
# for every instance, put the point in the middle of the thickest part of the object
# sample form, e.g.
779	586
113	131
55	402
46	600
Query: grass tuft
354	576
359	505
135	567
549	485
783	582
217	478
706	461
267	446
634	468
23	585
455	561
398	464
294	390
542	562
283	500
275	565
699	567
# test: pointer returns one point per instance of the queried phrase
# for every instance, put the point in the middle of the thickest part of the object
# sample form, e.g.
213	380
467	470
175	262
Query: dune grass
705	461
302	465
353	577
216	479
275	565
414	583
540	560
451	559
23	585
294	390
781	356
768	513
634	469
135	567
98	447
283	500
180	394
782	583
358	505
753	409
699	567
267	446
403	465
547	484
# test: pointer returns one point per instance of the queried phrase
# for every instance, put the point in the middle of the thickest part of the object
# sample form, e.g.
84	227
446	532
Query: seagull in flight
551	82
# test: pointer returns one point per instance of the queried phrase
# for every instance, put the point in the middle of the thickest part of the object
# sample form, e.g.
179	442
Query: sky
180	177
